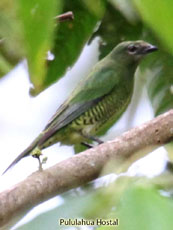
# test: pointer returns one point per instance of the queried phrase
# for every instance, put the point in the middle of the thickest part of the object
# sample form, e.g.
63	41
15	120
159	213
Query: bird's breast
109	108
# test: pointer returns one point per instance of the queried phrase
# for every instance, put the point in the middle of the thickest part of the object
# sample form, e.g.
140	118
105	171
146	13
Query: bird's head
133	50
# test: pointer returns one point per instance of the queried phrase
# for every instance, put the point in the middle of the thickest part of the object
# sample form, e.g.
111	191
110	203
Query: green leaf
71	36
97	7
127	8
71	208
157	69
37	22
5	66
115	28
160	84
11	46
158	15
145	209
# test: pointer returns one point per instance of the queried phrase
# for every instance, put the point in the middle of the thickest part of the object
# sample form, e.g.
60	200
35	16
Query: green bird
96	103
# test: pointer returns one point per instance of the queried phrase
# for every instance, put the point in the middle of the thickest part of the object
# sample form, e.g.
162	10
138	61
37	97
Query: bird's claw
36	153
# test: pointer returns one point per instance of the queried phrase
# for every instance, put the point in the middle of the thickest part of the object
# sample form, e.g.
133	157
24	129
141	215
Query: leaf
5	66
160	84
115	28
159	18
71	208
157	70
144	208
70	39
96	7
11	47
37	23
127	8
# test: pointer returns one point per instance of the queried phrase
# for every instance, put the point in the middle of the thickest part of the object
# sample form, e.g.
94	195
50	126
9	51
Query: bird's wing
87	94
84	97
96	85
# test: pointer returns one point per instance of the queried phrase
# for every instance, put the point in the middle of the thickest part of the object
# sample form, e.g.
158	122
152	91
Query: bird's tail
25	153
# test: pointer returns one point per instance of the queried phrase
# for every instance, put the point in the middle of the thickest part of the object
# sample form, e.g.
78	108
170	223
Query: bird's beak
149	49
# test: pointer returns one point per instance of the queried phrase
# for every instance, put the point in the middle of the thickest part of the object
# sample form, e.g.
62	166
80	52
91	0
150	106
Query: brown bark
68	16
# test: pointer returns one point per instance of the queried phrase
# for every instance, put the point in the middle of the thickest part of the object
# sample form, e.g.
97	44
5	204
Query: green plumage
97	102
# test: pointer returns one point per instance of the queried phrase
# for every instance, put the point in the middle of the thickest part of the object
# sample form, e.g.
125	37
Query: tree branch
68	16
84	167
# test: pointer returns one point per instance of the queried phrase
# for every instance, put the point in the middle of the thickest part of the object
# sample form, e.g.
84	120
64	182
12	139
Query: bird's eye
132	48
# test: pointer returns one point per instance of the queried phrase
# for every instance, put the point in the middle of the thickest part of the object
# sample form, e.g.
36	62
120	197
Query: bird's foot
93	138
96	140
36	153
89	146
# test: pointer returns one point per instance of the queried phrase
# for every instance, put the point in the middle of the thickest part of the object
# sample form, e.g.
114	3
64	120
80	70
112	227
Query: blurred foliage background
28	30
